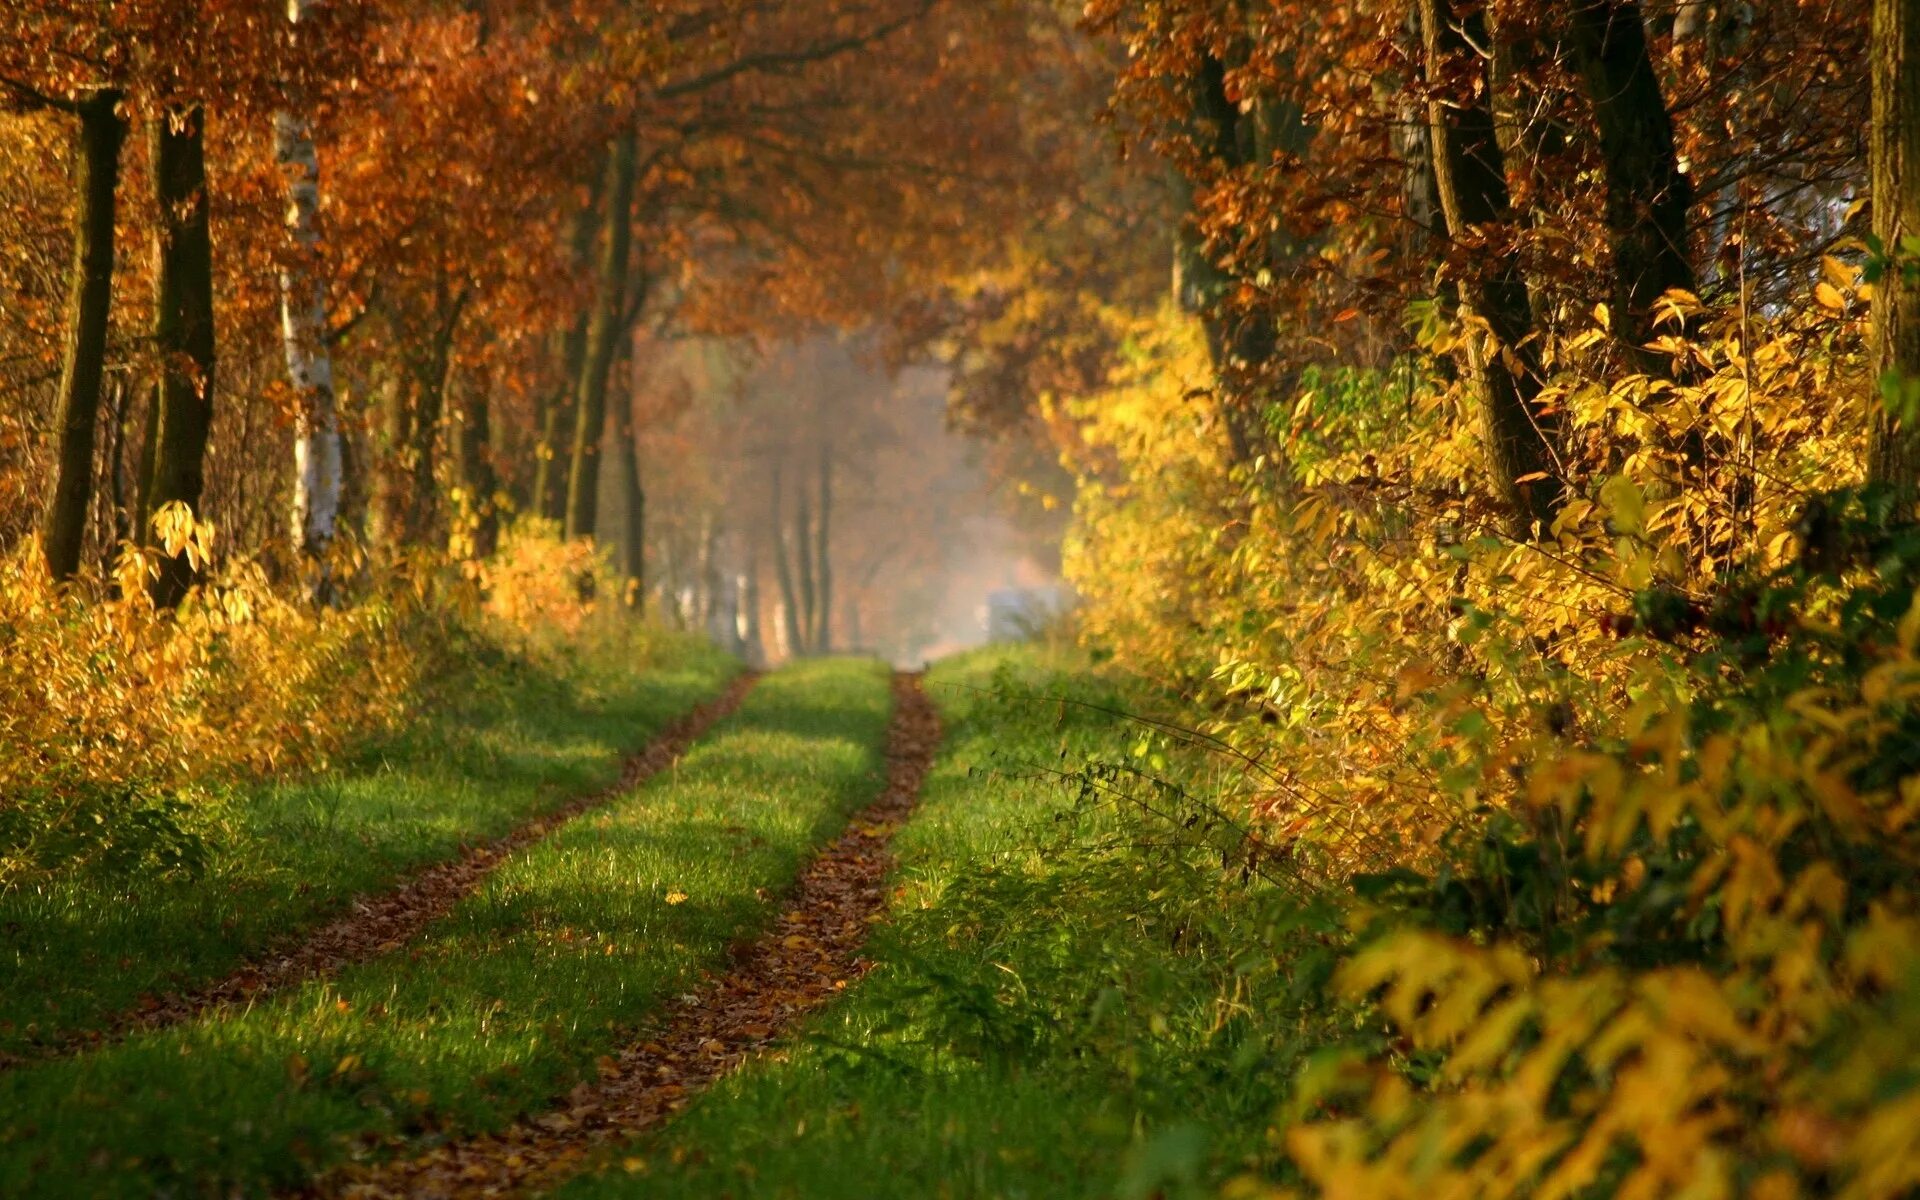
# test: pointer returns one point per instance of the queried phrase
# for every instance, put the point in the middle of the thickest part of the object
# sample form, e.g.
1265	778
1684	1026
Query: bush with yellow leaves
119	722
1624	818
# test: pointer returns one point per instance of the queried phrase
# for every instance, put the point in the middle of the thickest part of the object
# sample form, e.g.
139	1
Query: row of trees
1501	192
420	241
810	500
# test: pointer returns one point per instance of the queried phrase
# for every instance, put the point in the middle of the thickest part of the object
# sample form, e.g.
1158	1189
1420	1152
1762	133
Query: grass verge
514	737
1061	1007
507	1003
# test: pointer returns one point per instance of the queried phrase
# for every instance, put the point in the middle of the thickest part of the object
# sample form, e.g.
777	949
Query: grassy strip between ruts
1055	1012
507	1003
517	739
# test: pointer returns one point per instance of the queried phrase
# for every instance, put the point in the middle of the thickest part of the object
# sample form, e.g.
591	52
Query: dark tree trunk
1894	445
604	332
429	405
557	415
631	556
183	332
478	475
1242	345
89	305
1413	142
1519	438
142	482
396	401
356	468
556	425
1648	197
123	493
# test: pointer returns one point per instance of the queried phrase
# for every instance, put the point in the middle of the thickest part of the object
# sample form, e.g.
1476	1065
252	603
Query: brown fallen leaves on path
810	956
380	923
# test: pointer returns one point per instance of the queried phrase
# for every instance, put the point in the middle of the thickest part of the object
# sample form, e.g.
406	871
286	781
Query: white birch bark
303	322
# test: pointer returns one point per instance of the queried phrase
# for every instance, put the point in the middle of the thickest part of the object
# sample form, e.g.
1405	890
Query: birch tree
303	322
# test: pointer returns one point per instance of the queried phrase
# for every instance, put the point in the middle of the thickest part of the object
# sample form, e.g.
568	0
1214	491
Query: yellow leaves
1415	966
676	897
1837	274
179	532
1626	505
106	695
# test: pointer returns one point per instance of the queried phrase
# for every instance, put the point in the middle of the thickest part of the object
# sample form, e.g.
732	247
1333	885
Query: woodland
498	500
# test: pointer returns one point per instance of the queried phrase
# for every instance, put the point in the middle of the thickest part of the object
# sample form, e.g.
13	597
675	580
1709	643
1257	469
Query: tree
1648	195
823	552
606	329
778	539
1894	348
570	351
96	162
183	331
303	308
1501	359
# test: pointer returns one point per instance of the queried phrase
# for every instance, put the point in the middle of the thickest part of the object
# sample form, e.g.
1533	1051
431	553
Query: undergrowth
122	726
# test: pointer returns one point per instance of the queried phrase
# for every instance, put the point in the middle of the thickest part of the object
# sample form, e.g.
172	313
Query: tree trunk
303	321
142	479
823	557
803	547
123	493
604	331
704	577
754	649
481	481
357	467
1413	143
631	556
783	570
556	425
1648	197
1240	344
713	586
89	308
396	404
429	406
570	349
183	332
1520	440
1894	446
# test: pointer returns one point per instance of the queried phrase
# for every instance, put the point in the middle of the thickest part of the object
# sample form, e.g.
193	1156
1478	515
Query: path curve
811	954
386	921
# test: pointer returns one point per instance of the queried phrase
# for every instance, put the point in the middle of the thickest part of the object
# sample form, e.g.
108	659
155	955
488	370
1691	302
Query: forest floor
805	942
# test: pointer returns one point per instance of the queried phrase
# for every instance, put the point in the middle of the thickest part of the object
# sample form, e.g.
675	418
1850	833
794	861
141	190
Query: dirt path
812	953
380	923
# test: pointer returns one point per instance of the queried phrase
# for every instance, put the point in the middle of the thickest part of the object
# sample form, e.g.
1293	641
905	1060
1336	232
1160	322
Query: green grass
1056	1012
511	741
500	1007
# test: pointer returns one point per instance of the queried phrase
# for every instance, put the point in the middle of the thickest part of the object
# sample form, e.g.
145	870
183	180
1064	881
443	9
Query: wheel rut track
808	957
388	920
